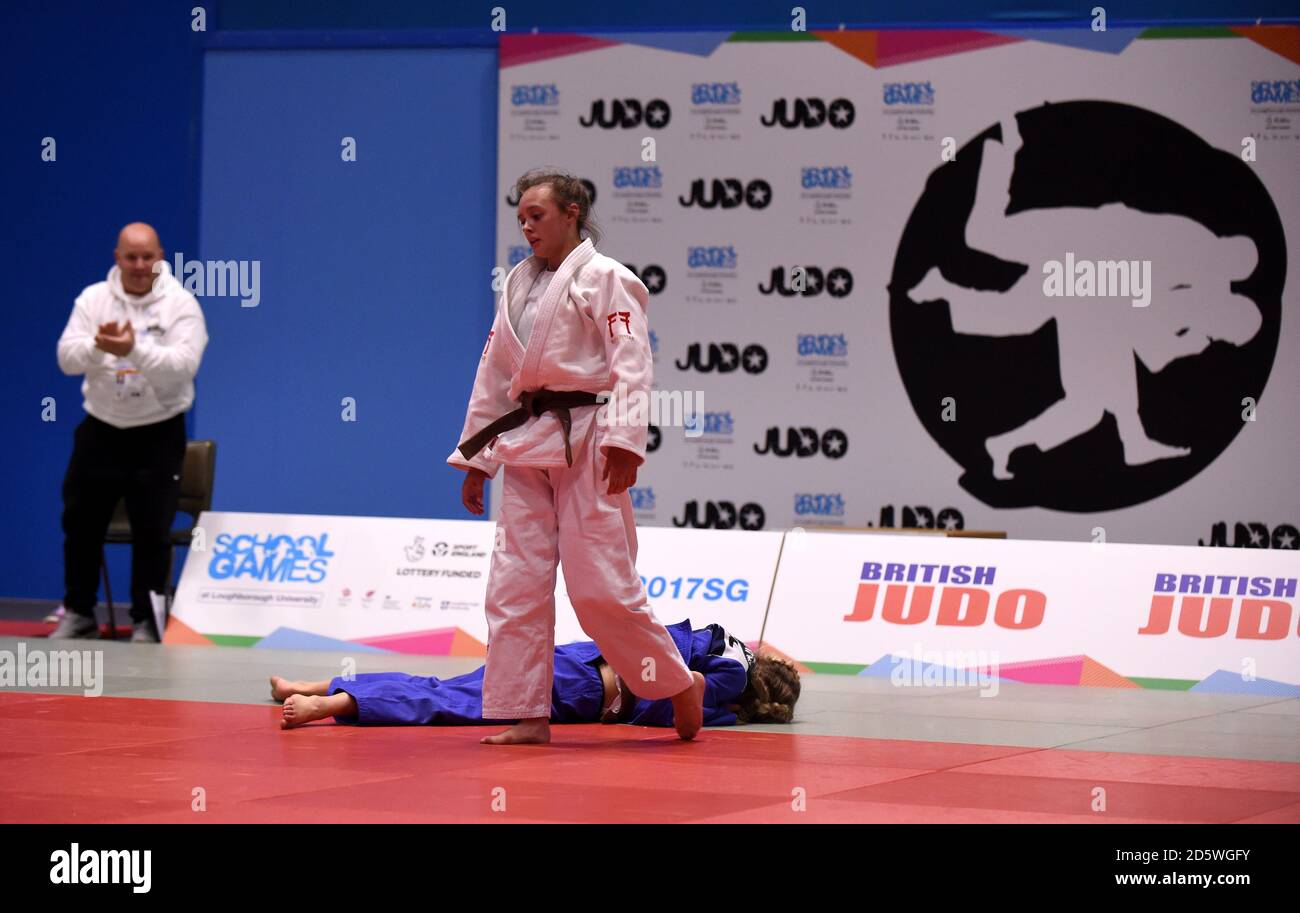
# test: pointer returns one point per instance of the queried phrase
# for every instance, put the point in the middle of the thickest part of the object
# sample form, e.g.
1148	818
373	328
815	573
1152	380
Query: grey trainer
142	633
74	624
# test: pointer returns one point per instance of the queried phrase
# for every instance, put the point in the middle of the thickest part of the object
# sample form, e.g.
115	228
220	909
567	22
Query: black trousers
142	465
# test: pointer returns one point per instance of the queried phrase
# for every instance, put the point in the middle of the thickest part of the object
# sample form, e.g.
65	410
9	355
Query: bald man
138	338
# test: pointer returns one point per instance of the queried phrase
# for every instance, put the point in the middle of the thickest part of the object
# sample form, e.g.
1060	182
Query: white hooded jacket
155	380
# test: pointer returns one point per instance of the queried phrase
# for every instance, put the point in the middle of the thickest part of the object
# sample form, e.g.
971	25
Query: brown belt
534	402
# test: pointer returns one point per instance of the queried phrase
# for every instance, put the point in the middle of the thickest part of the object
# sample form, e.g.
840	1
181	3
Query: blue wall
577	15
376	274
116	87
349	306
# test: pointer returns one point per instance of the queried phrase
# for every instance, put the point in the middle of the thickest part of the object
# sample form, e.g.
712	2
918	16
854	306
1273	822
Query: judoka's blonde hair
565	190
772	692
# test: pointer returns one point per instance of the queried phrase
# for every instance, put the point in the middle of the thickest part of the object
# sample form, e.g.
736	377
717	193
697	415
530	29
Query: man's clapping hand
116	340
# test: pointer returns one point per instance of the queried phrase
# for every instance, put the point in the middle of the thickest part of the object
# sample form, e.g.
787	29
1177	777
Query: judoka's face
548	231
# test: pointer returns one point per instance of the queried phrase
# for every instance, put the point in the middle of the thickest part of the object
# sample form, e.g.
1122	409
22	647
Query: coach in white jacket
138	338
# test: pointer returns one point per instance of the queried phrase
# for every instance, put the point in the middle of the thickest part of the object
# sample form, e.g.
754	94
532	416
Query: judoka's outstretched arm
988	228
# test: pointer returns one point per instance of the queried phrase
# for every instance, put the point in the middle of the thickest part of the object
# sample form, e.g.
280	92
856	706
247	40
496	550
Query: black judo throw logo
728	193
722	515
810	112
808	281
1086	403
625	113
724	358
804	442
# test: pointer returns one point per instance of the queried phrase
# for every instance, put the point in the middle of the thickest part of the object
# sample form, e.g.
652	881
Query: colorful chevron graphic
1079	671
880	48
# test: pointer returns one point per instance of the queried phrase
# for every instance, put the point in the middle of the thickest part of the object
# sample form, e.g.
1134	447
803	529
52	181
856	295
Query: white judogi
523	311
588	332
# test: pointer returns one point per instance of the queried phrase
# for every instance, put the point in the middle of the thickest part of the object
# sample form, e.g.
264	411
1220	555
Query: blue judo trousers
577	695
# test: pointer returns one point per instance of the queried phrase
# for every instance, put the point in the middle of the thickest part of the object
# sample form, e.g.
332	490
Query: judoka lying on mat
739	688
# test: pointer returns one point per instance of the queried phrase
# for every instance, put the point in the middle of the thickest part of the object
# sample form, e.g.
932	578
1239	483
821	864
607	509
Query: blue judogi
577	694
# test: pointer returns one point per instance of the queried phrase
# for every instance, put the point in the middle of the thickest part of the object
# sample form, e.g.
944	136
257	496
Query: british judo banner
925	610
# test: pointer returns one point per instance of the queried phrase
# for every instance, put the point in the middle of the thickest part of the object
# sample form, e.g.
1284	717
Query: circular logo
1085	306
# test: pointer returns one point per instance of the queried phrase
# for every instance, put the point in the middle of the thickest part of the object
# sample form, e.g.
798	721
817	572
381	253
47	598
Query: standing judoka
570	324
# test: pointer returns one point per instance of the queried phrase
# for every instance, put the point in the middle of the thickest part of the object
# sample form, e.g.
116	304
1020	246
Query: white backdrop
843	367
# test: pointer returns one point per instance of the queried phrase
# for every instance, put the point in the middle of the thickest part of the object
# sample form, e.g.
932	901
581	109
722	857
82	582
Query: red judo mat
9	628
105	759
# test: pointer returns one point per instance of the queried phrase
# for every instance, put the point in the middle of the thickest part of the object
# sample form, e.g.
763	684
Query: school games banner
1030	280
294	581
418	586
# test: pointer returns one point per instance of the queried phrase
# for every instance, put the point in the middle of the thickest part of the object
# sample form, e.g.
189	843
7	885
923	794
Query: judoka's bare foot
282	688
305	708
688	709
525	732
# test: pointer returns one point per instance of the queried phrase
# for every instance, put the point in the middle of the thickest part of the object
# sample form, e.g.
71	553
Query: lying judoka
739	688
